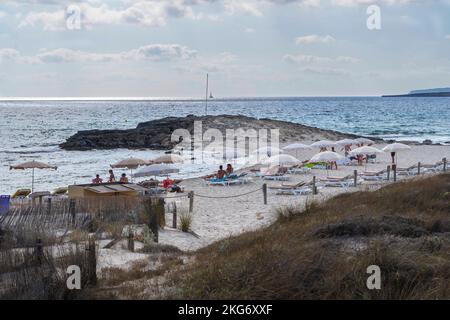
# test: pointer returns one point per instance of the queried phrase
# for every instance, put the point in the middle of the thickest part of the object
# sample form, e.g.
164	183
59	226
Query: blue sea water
33	129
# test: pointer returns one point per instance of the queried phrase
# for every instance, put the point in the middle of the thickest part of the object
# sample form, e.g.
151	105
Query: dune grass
323	251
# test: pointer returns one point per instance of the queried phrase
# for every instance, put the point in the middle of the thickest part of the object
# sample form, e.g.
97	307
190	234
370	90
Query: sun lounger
344	182
228	181
299	170
21	194
374	175
305	190
289	186
409	171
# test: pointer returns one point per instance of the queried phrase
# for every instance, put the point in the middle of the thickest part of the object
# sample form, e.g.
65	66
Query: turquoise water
33	129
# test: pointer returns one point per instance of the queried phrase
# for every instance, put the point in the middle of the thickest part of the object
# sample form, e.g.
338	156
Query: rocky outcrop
156	134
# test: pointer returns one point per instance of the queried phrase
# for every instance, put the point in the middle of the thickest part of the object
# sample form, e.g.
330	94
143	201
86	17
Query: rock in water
156	134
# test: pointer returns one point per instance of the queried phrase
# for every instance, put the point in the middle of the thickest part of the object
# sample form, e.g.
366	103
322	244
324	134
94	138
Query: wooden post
49	206
314	185
191	201
418	168
388	173
153	223
174	216
92	262
394	168
355	178
131	241
72	210
264	189
444	161
39	251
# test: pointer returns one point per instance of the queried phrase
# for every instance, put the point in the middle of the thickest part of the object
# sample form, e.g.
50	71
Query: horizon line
171	98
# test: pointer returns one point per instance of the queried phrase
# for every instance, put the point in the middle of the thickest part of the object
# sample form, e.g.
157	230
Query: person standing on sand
112	177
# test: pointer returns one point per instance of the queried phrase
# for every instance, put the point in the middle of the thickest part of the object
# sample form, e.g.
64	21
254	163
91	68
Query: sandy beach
215	218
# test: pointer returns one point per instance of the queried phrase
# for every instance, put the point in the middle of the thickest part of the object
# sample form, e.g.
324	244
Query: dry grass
323	251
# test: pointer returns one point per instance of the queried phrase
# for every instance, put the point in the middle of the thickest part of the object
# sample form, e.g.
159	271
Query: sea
33	129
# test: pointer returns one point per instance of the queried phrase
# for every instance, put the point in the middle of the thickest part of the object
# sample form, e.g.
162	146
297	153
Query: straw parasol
156	170
129	163
168	159
32	165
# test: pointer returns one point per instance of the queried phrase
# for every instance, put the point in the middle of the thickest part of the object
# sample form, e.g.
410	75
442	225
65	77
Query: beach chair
272	173
305	190
21	194
343	182
374	175
299	170
409	171
60	192
289	186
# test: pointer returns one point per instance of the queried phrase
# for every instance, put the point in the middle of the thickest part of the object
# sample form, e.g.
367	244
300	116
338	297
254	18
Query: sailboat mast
206	97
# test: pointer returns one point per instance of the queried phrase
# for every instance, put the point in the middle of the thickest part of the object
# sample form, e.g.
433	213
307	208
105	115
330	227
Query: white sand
215	219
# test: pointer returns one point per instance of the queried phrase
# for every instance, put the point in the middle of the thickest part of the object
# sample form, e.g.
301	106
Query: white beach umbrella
363	140
282	160
346	142
326	156
32	165
395	147
323	144
167	158
366	150
268	151
156	170
295	147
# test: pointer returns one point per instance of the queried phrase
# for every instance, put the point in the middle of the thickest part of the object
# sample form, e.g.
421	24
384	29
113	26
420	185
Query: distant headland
437	92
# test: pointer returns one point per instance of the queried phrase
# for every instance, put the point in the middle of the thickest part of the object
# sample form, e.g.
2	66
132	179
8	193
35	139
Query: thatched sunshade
32	165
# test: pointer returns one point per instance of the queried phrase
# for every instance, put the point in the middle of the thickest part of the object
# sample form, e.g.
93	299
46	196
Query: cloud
313	38
325	71
353	3
310	59
145	13
152	52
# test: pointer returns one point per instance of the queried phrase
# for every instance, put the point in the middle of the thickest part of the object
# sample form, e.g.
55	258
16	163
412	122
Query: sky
164	48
